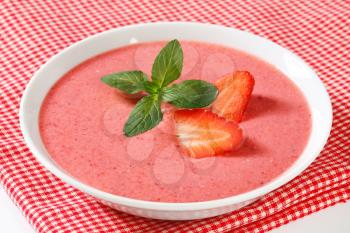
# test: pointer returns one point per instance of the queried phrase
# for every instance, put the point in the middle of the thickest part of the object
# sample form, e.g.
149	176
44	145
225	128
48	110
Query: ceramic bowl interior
291	65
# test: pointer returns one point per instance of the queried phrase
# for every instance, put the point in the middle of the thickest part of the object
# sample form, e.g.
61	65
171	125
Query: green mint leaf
151	87
190	94
145	116
130	82
167	66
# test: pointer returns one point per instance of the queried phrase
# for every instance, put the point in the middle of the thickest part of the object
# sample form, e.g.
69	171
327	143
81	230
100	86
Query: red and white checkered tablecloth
33	31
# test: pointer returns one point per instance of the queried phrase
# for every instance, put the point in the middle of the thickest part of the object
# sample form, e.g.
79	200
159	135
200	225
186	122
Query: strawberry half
234	94
202	133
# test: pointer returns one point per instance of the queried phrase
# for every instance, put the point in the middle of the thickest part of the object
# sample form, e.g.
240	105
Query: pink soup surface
82	120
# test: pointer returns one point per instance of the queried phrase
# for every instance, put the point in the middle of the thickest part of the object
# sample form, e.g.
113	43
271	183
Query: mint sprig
166	69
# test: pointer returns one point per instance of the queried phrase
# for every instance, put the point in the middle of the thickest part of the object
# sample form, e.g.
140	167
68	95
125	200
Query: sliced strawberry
202	133
234	94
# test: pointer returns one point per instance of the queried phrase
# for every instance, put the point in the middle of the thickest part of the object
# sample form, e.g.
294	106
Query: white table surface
334	219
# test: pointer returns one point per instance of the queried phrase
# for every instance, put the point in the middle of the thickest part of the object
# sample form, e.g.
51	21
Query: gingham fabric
33	31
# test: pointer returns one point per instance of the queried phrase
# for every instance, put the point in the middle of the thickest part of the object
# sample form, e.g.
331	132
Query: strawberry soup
82	122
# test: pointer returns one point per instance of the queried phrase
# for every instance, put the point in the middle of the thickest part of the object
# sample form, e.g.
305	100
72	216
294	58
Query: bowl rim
166	206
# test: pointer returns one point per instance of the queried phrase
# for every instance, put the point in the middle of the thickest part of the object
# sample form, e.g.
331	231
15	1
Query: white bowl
291	65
